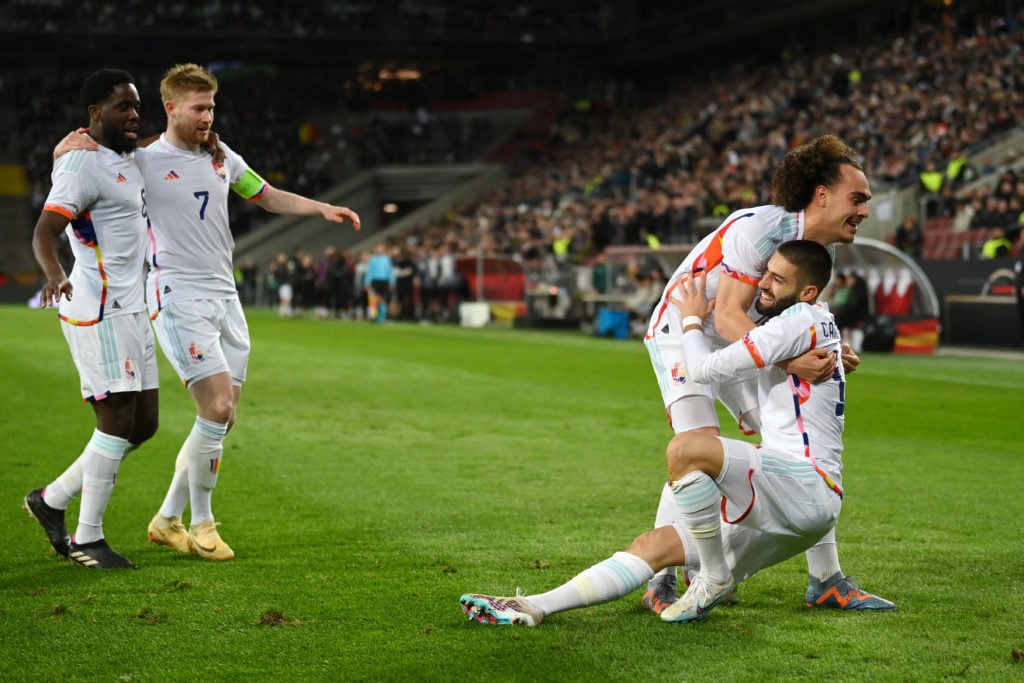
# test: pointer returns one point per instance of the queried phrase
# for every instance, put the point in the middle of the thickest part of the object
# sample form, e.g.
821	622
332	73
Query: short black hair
811	259
100	84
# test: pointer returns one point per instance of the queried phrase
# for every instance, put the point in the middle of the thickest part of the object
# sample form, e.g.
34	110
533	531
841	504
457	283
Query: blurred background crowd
625	141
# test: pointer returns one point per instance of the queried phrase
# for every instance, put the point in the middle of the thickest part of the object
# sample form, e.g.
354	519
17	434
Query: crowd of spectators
627	162
422	138
642	164
630	164
999	204
447	19
44	105
268	114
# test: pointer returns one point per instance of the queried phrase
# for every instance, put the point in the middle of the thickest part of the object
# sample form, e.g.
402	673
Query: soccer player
821	194
191	289
98	199
744	507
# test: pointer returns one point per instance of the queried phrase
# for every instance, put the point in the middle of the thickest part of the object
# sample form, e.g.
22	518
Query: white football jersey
101	193
797	417
191	242
739	248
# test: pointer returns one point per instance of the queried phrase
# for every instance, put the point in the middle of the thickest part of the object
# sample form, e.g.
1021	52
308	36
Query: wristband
692	320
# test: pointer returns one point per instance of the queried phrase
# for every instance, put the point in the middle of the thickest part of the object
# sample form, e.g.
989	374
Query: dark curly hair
806	167
101	84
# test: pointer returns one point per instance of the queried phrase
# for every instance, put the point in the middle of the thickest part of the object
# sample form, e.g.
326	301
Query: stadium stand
620	160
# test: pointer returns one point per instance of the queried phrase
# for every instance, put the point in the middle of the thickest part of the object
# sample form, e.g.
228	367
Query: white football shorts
204	337
115	355
778	507
669	362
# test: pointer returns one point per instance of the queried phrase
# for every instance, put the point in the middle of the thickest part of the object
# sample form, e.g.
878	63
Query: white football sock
68	485
668	512
823	557
65	488
100	461
177	493
699	501
619	575
205	447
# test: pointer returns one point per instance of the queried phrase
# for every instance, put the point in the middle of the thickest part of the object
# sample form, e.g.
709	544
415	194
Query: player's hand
691	296
338	214
52	291
76	139
850	359
212	145
817	365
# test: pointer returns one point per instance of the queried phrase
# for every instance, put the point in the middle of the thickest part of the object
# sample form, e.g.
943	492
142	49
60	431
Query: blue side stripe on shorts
109	359
172	331
800	469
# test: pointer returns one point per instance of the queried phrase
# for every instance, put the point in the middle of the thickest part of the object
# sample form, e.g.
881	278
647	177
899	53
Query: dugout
904	306
902	301
901	297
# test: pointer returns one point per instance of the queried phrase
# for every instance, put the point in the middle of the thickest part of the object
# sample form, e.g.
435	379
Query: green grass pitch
378	472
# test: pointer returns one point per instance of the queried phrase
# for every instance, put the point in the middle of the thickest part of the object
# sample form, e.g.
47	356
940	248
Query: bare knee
144	429
223	412
147	417
691	452
215	398
116	414
679	456
219	409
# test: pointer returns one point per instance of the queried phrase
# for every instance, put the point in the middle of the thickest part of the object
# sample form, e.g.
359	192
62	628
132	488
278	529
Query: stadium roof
613	33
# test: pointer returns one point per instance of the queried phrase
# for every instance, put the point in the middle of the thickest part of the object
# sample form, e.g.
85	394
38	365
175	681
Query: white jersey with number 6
101	194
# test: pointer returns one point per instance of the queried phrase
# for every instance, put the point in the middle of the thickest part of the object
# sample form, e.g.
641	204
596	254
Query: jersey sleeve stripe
737	275
55	208
751	348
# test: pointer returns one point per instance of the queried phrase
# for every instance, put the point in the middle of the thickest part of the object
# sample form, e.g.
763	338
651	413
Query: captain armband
250	186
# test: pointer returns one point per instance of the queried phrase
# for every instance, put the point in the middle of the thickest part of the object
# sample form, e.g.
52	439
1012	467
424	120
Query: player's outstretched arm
76	139
291	204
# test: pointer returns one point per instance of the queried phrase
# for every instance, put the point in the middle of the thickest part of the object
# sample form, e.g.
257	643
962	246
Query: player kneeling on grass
744	507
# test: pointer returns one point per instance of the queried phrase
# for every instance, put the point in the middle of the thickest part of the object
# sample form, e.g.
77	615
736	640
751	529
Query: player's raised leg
610	579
